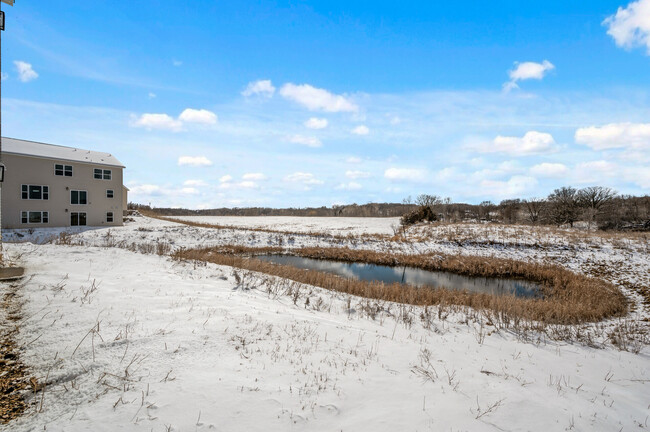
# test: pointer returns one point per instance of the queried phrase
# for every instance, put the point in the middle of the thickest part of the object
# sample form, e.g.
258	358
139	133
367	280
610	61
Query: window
34	217
63	170
34	192
109	193
100	174
77	219
109	217
78	197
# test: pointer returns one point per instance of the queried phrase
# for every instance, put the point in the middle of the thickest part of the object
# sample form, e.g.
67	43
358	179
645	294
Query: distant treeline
352	210
596	206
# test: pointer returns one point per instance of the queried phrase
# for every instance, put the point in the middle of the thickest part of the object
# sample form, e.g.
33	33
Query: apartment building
48	185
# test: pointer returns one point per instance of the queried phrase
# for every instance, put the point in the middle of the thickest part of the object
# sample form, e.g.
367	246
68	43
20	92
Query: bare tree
534	208
424	200
485	209
563	206
594	200
509	210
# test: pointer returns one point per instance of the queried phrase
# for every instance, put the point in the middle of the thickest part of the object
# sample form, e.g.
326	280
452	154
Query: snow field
333	225
140	342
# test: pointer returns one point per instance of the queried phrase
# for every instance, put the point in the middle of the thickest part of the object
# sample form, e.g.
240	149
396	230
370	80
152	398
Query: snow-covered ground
333	225
132	341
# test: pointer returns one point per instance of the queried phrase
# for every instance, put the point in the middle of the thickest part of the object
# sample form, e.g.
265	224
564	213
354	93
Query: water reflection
410	275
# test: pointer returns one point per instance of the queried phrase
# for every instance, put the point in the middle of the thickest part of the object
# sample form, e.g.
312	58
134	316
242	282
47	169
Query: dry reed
568	298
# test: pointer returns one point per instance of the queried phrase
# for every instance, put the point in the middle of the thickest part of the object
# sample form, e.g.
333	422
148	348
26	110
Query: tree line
594	206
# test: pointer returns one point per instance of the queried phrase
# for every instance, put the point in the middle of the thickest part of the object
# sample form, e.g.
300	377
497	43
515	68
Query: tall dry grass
567	297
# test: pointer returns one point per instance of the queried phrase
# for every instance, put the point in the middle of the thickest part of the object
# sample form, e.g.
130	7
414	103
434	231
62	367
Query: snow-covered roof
51	151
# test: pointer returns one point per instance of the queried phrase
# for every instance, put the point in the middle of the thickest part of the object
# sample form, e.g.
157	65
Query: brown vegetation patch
568	298
12	371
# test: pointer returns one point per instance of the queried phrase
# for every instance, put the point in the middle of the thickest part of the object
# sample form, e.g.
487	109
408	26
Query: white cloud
595	171
316	123
640	175
353	174
304	178
630	26
254	176
532	142
189	191
226	178
405	174
261	87
509	166
615	135
240	185
166	122
553	170
152	95
4	76
305	140
158	121
353	160
196	161
145	189
316	99
349	186
200	116
527	70
248	185
193	183
361	130
515	186
25	71
177	63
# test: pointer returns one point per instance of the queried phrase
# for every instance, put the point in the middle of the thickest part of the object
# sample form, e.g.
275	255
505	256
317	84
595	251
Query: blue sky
249	103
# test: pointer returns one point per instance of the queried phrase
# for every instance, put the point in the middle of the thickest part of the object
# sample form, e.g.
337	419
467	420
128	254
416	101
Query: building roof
51	151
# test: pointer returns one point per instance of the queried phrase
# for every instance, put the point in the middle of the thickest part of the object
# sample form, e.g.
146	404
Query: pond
410	276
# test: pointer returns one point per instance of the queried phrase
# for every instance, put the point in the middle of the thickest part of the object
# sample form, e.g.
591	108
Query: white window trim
34	211
79	213
103	171
112	217
64	166
78	190
34	199
112	193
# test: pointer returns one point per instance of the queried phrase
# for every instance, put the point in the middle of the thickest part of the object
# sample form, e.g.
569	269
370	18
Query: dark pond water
410	276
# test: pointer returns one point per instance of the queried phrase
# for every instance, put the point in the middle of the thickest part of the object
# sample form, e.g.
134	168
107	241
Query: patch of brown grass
568	298
13	372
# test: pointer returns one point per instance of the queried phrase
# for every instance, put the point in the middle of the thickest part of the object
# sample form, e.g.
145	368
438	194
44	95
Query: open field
118	335
338	226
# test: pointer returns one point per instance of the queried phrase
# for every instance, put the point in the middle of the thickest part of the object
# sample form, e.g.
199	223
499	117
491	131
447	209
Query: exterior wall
125	199
40	171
